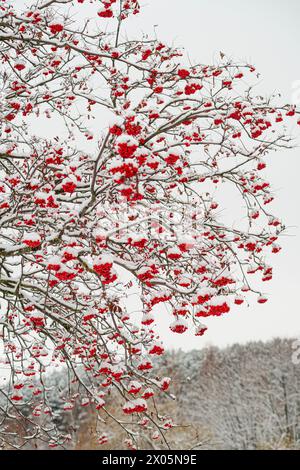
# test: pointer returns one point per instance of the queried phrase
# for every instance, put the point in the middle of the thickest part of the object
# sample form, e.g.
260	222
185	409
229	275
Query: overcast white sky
267	34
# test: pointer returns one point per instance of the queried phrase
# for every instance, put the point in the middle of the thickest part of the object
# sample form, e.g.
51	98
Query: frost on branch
116	160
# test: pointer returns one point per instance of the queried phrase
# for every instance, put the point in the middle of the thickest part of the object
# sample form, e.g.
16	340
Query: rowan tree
117	160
